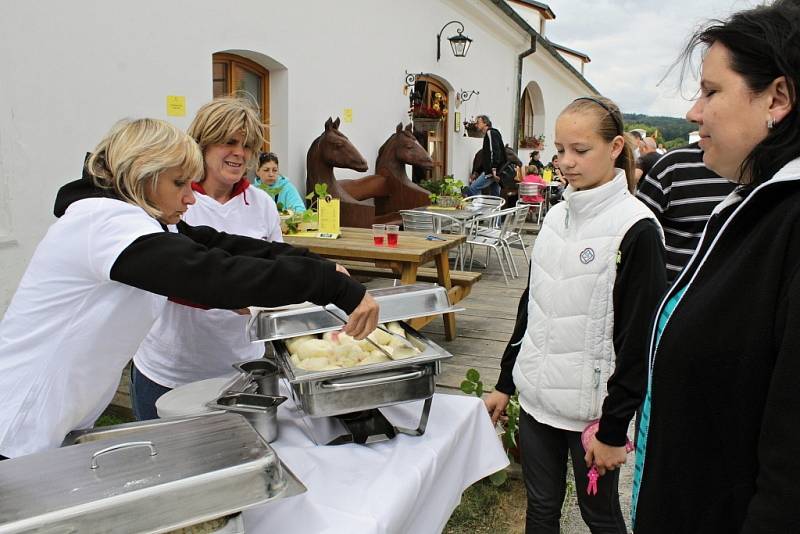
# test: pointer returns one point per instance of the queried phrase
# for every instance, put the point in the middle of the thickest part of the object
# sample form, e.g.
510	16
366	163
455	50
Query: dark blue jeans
480	183
544	468
144	394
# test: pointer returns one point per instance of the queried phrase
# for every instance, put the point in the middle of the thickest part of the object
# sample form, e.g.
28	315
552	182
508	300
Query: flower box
448	201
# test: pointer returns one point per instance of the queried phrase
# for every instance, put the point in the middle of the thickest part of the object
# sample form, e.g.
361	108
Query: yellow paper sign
347	116
176	106
328	217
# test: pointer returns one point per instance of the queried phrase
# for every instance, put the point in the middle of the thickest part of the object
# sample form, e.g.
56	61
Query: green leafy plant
320	191
473	385
274	191
448	186
309	216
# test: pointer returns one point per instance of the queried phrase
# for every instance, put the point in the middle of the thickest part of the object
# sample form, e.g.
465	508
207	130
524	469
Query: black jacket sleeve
639	285
505	382
494	151
239	245
230	272
773	506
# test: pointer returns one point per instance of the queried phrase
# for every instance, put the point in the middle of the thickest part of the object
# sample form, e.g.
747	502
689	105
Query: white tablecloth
407	484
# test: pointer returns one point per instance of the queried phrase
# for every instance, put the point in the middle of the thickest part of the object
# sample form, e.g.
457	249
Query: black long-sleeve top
214	269
494	151
639	285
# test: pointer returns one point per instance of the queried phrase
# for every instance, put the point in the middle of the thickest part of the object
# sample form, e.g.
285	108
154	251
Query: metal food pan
365	391
396	304
154	477
429	352
352	389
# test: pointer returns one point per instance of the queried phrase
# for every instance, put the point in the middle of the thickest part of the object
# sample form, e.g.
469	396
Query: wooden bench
461	281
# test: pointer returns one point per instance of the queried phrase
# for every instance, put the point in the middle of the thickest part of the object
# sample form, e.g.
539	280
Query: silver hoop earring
770	123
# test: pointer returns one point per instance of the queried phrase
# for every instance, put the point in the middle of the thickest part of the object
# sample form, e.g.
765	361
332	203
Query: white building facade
72	69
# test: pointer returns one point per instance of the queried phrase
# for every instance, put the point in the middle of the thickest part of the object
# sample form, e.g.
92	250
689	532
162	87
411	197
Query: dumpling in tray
314	348
292	343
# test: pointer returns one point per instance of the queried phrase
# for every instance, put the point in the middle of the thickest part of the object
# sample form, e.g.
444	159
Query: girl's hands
496	404
605	457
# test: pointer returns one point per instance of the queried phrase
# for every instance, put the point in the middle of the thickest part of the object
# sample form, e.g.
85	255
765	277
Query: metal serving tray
154	476
396	304
363	387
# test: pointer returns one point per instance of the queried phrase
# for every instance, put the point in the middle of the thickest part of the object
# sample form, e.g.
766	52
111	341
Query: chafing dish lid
396	304
151	469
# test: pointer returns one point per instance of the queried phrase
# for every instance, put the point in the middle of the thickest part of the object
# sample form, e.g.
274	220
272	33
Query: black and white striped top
682	193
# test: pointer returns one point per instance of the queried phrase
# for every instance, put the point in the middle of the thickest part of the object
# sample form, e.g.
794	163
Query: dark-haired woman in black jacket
719	447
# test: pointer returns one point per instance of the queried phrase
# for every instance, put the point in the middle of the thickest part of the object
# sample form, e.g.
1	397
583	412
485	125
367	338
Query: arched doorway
429	109
531	117
237	74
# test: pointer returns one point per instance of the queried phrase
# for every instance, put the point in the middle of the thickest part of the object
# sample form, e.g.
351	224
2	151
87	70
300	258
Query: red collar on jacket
239	187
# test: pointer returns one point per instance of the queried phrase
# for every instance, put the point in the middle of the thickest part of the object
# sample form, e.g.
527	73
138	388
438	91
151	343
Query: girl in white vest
579	349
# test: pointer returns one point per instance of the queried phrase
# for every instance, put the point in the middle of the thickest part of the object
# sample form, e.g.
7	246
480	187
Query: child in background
532	177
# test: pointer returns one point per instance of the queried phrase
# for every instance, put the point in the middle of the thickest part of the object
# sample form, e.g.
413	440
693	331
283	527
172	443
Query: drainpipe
522	56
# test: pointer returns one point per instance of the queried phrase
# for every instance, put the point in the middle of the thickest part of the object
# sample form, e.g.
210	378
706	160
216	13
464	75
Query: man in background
682	192
649	156
494	156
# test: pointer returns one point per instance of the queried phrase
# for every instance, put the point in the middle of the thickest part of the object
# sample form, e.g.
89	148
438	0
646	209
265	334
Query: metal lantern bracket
464	95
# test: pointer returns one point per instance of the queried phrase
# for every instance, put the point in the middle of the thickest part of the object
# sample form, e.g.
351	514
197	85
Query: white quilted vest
567	352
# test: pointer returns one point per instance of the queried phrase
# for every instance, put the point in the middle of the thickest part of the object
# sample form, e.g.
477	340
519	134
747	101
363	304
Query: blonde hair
222	118
609	126
135	152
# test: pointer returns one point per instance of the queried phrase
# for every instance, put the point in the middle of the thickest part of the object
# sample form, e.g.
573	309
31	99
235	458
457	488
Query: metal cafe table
413	250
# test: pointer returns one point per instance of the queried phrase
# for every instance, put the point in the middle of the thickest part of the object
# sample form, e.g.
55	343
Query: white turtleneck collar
583	205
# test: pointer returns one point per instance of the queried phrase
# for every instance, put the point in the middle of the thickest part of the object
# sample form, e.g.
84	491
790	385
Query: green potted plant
448	194
309	219
471	128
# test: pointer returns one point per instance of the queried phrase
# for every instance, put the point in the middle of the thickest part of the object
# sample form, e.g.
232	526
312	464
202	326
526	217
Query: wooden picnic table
412	251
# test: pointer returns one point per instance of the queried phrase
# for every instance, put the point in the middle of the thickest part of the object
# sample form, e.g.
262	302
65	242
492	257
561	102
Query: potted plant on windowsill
535	142
426	117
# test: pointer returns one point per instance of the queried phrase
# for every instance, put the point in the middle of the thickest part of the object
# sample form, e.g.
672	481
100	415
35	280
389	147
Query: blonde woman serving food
100	276
190	342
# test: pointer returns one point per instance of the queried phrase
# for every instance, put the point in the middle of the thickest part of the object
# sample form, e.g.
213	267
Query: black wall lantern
459	43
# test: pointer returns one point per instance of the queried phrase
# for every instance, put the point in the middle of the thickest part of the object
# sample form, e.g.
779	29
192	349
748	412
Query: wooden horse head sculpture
330	150
390	188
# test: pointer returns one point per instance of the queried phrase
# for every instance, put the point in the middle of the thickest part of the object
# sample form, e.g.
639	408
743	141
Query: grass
109	418
488	509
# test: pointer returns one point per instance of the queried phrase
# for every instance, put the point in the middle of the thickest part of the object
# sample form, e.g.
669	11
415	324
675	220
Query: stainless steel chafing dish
154	476
364	387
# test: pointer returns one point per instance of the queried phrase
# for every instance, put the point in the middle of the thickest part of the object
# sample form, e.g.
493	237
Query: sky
632	44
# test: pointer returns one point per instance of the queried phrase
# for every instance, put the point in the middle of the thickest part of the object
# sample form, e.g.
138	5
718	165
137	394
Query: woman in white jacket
102	274
578	352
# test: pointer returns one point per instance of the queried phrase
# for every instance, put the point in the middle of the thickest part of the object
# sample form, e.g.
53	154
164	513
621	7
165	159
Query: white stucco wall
558	89
71	69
